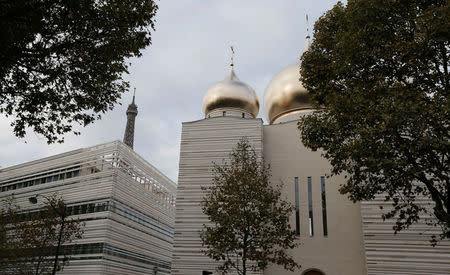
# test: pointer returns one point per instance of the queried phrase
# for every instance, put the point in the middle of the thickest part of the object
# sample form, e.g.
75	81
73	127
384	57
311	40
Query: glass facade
40	179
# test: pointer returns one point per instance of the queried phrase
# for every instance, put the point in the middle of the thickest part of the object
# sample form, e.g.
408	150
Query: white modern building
337	237
127	205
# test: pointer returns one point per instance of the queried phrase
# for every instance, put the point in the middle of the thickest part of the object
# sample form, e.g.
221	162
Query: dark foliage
378	71
28	241
249	220
62	61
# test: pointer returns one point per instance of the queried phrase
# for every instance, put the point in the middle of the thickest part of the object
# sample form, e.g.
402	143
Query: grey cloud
190	52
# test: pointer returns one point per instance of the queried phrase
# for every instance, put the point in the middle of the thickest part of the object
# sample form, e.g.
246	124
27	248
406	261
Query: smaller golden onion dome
231	93
285	93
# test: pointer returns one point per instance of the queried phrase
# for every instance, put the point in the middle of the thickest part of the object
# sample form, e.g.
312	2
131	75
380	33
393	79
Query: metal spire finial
232	56
307	26
306	48
134	94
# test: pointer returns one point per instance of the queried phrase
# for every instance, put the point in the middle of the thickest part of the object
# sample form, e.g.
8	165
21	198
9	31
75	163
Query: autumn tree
377	71
10	247
32	241
62	62
249	221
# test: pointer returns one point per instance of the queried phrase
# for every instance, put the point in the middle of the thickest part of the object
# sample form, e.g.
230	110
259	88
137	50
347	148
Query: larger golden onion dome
231	93
285	93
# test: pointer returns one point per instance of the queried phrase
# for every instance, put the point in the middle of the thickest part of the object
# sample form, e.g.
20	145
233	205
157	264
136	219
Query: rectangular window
98	207
84	209
69	210
76	210
91	208
310	208
324	206
297	209
224	113
84	249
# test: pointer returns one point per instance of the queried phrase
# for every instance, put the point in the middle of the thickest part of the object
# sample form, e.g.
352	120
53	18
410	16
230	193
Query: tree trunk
59	243
244	255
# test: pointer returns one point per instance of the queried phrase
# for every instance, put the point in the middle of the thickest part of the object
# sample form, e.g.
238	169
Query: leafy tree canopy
28	240
378	72
249	221
61	62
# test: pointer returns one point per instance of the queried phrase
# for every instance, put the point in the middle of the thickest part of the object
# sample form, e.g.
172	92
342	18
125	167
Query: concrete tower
128	137
230	107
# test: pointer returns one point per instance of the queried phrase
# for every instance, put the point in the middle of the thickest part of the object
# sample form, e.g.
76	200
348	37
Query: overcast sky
190	52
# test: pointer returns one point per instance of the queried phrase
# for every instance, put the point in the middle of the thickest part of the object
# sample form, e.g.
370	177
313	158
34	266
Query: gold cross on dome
232	56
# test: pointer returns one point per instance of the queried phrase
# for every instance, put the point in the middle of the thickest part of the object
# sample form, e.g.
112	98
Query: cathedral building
337	236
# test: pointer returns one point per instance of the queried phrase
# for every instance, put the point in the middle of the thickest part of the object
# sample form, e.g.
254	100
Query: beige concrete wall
229	112
408	252
342	251
202	143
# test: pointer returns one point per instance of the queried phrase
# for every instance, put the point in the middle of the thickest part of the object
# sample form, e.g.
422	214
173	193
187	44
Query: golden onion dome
285	93
231	93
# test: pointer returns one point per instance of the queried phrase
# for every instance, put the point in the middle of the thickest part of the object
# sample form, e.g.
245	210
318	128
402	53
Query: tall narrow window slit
310	208
324	206
297	208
